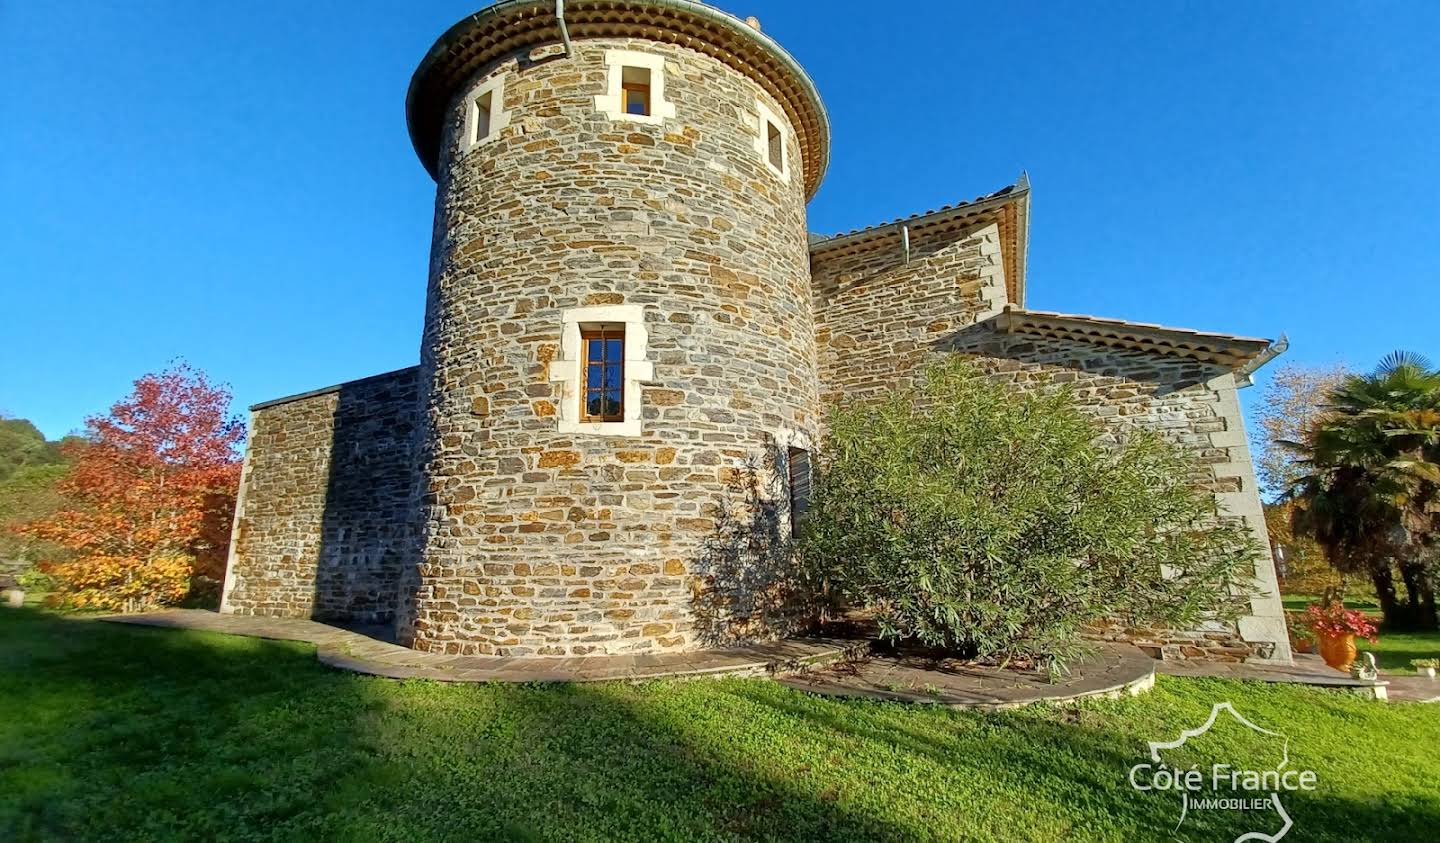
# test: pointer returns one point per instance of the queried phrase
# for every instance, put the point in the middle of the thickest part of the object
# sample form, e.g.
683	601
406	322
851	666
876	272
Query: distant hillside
30	466
22	444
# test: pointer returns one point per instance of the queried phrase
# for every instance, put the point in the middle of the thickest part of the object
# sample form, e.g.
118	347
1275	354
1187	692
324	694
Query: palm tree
1371	492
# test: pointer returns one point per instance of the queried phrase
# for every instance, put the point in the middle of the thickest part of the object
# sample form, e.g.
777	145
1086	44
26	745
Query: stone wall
324	522
542	542
878	316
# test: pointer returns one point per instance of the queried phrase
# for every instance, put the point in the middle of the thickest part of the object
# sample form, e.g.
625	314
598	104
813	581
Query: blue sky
234	184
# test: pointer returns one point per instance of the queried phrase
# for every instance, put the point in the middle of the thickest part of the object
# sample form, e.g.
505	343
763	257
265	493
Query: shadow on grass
110	732
104	728
165	734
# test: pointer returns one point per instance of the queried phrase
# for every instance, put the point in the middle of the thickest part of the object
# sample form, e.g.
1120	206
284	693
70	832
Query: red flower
1336	620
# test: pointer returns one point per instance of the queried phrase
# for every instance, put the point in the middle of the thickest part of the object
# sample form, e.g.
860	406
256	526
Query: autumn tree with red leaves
148	498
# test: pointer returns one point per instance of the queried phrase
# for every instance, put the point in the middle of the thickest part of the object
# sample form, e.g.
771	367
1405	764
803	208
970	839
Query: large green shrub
1000	522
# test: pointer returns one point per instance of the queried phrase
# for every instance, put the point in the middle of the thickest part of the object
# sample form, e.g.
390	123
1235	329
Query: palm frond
1398	361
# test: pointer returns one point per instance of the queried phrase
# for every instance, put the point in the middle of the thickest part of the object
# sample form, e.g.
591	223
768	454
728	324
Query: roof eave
326	390
998	199
1022	238
1241	355
1245	375
806	109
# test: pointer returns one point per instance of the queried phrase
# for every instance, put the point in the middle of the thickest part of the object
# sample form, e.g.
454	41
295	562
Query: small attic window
770	141
485	114
776	145
482	116
635	90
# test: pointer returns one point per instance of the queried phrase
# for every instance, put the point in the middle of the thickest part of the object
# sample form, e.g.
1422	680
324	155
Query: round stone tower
618	365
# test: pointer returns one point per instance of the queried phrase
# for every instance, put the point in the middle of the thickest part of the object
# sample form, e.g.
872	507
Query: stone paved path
355	650
1310	669
1114	670
830	666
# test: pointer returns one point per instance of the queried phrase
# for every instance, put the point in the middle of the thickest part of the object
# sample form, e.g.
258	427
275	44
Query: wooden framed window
797	466
635	91
601	368
635	88
602	393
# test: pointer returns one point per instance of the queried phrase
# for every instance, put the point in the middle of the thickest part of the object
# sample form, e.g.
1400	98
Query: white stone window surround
568	372
788	437
762	141
612	102
499	117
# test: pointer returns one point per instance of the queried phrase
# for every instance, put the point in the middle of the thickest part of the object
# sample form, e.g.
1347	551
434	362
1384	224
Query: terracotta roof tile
1022	185
1243	354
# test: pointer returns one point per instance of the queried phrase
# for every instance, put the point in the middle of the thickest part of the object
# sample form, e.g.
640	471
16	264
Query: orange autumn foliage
148	498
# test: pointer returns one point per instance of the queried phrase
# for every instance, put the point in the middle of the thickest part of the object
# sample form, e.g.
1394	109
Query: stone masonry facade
471	501
541	542
324	521
879	318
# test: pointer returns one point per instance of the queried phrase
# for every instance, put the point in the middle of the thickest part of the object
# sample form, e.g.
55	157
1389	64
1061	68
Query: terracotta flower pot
1338	651
1304	645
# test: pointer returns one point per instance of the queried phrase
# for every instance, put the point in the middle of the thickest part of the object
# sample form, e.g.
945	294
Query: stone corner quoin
474	502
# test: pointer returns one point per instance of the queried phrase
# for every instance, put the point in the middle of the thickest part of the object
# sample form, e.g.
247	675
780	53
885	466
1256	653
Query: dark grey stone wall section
325	521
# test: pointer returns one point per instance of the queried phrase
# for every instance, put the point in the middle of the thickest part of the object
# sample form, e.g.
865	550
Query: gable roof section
1241	354
1008	207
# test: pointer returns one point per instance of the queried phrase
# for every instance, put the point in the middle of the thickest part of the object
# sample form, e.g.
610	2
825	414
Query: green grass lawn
1394	650
122	733
1298	603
